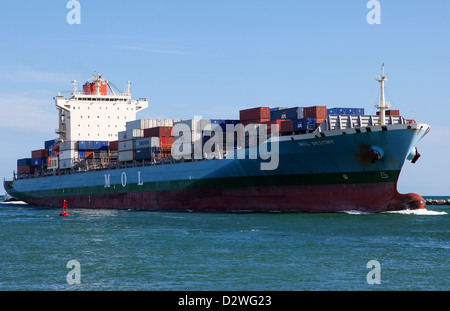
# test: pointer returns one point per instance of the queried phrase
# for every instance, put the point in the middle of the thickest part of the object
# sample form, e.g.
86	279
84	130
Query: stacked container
24	166
254	115
39	159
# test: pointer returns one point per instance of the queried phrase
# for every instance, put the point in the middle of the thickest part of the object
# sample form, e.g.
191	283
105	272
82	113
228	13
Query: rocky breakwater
437	202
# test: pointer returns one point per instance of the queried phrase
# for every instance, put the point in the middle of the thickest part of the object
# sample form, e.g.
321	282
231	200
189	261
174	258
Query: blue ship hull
326	172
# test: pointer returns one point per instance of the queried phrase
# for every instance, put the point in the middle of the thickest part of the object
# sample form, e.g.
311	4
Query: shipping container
278	108
259	113
49	143
85	145
100	145
290	114
39	162
160	131
23	162
26	169
68	145
127	145
165	142
130	134
390	113
350	111
334	111
66	163
287	126
68	154
143	154
224	123
114	145
41	153
359	111
276	122
126	155
304	124
316	112
148	142
393	112
148	123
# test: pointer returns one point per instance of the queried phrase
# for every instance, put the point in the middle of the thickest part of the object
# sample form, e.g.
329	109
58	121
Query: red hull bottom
370	198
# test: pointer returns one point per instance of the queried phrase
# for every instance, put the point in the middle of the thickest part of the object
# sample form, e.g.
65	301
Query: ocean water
181	251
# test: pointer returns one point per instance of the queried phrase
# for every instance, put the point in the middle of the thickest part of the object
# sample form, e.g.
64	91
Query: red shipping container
254	114
114	145
166	142
160	131
318	112
392	112
287	126
41	153
279	124
25	169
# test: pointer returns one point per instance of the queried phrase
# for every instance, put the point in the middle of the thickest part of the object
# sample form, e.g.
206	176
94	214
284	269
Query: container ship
320	160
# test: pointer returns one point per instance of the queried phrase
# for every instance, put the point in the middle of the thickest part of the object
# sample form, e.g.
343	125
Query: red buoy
64	209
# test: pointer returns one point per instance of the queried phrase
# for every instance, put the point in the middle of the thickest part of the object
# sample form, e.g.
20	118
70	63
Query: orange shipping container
259	113
317	112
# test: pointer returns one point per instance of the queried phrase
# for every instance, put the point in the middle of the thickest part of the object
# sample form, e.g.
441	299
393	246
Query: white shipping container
126	155
299	112
67	145
68	154
142	124
130	134
127	145
66	163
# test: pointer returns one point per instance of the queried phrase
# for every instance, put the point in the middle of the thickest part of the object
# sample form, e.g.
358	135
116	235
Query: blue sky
212	58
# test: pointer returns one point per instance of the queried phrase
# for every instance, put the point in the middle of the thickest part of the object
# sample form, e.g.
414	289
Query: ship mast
383	105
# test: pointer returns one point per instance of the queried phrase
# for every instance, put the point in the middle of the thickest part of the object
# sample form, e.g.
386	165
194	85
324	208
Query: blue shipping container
100	145
143	154
336	111
223	123
49	143
304	124
85	145
350	111
39	162
25	161
359	111
288	114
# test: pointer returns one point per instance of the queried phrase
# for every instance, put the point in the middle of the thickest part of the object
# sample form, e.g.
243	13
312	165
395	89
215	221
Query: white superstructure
95	115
